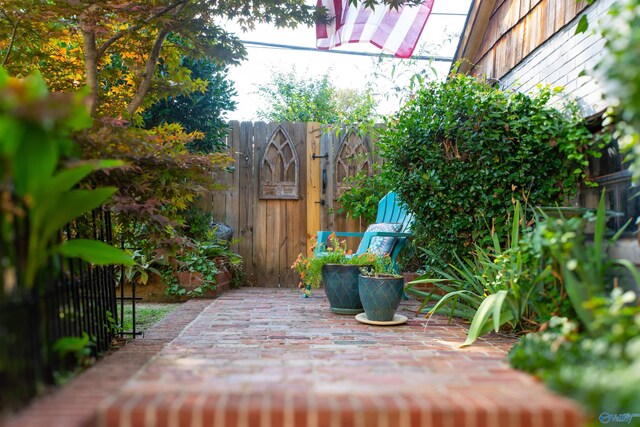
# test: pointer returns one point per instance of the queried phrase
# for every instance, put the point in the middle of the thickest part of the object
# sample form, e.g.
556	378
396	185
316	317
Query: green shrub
461	152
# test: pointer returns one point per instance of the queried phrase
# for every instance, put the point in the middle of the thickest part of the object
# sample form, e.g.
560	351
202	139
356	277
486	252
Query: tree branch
11	40
149	71
117	36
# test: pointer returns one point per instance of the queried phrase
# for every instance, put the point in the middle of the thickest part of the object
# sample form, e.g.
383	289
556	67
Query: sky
439	37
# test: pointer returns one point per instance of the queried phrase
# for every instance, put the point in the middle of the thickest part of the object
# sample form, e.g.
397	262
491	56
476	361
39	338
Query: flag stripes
394	31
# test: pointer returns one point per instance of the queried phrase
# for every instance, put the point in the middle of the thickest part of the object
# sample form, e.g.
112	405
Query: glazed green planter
380	296
341	286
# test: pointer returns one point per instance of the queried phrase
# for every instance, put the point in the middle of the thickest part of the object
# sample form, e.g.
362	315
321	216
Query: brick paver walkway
266	357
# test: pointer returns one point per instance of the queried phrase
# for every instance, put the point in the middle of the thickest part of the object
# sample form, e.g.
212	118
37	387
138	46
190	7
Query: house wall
561	59
501	33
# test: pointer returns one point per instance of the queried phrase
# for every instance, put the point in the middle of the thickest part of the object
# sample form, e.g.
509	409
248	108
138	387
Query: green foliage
583	25
198	111
205	259
198	222
79	351
161	181
310	268
494	287
461	152
40	195
292	98
99	252
586	269
403	77
594	359
364	192
78	346
381	266
550	270
599	368
619	74
143	265
192	260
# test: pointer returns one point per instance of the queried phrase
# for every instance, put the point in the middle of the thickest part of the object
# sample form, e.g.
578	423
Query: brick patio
266	357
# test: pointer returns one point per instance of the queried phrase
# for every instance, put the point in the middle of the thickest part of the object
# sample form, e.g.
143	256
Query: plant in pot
338	271
380	288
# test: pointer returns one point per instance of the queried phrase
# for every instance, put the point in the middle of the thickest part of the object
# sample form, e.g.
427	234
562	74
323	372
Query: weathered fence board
282	191
314	201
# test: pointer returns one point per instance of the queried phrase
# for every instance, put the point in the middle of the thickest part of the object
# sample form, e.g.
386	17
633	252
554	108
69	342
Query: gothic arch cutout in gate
279	168
283	190
353	156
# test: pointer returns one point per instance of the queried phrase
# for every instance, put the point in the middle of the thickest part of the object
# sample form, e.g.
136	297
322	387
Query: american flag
394	31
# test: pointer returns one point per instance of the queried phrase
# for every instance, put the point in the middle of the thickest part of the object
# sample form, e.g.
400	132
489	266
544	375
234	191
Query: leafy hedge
461	152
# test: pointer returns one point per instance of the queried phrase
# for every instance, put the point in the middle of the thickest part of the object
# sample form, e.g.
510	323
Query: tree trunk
90	63
149	71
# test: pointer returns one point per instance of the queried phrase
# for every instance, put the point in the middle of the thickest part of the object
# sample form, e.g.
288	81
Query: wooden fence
283	190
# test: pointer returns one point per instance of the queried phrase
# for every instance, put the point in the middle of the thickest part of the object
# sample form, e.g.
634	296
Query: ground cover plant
461	152
147	315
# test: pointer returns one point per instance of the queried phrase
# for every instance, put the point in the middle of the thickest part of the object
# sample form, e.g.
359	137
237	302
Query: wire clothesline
343	52
436	58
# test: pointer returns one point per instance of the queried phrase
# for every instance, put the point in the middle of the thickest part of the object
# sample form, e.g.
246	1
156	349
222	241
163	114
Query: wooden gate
281	191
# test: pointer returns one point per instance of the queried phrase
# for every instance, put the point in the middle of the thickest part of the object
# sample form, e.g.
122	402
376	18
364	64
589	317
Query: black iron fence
68	317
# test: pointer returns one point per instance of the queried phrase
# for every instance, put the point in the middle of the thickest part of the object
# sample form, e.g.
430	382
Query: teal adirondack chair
390	215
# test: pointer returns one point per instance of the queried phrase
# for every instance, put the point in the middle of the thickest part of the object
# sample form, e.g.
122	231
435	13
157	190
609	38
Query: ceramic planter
380	296
341	286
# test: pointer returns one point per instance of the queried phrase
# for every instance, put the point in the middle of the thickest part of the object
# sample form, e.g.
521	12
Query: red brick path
268	358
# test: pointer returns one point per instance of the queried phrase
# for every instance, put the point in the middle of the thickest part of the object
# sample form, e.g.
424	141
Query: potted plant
338	271
380	288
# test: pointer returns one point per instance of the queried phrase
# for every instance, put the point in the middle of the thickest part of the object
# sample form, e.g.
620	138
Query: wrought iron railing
71	299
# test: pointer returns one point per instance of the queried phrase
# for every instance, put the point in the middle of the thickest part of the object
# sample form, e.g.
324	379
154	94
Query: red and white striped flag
394	31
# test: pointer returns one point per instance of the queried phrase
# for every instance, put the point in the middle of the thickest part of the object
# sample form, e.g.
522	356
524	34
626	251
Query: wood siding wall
272	231
515	29
562	60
